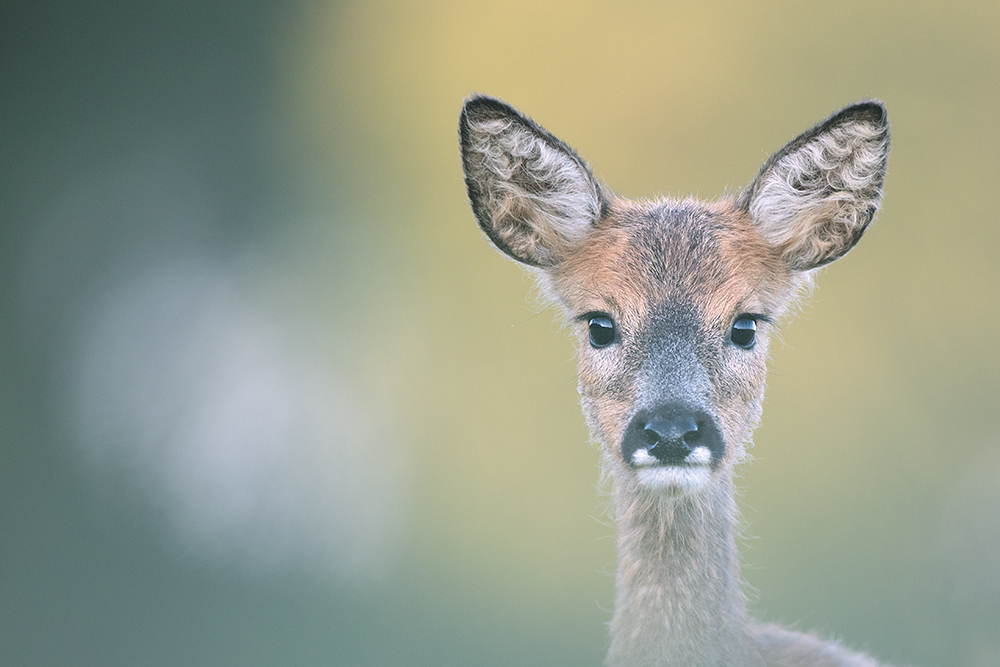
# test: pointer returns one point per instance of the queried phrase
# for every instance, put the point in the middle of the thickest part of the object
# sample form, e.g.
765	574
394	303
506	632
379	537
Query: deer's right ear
532	194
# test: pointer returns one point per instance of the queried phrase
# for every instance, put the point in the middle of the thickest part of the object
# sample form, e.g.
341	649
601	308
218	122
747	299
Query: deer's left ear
813	199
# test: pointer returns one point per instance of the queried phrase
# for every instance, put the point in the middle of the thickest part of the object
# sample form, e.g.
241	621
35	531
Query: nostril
652	434
671	430
669	435
671	440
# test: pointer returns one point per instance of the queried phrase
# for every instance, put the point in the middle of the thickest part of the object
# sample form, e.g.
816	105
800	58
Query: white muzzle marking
674	480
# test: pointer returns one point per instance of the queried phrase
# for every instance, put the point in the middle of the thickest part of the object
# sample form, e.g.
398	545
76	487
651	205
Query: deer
673	304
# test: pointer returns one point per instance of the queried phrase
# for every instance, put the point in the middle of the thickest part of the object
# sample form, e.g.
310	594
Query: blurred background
267	397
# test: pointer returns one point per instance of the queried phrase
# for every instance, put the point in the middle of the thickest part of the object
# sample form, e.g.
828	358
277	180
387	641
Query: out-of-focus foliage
267	396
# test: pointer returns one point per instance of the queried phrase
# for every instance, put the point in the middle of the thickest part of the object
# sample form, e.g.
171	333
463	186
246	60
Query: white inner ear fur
813	201
540	198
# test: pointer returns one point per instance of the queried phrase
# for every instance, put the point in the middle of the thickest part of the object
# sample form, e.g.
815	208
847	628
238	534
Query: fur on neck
679	596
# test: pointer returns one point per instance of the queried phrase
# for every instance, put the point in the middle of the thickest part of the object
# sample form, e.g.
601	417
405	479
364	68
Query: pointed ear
531	193
813	199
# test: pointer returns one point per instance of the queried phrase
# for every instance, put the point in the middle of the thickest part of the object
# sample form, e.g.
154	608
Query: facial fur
673	389
673	276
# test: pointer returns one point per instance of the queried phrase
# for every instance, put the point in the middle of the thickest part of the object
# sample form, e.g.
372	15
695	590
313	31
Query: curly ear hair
532	194
814	199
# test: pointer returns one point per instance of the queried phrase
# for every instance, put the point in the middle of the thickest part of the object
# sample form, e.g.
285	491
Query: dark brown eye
744	333
602	331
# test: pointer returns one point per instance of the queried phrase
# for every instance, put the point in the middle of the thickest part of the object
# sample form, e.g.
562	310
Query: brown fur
673	399
643	255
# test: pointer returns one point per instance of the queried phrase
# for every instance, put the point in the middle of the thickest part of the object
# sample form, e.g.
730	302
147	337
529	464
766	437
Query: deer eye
744	332
602	330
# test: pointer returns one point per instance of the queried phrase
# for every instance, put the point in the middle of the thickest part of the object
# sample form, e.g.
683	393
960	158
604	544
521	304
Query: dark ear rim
870	110
478	106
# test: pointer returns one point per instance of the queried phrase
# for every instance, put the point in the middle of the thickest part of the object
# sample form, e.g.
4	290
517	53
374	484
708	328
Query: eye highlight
602	330
744	332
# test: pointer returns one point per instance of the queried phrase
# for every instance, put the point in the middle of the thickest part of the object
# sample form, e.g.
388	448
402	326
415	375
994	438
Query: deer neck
679	600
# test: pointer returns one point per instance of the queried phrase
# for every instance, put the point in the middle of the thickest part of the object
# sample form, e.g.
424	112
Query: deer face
672	302
672	305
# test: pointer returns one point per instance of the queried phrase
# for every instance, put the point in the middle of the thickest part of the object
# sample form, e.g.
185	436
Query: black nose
671	440
670	433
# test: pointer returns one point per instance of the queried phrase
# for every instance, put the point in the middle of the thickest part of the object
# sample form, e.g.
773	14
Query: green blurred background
267	397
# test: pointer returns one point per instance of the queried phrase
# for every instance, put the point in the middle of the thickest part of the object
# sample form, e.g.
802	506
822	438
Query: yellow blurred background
268	397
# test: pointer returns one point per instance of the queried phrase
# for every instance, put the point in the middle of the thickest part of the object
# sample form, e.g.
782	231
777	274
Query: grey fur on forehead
676	242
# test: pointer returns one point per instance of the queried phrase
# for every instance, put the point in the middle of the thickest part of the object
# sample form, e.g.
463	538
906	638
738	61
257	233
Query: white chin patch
674	480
